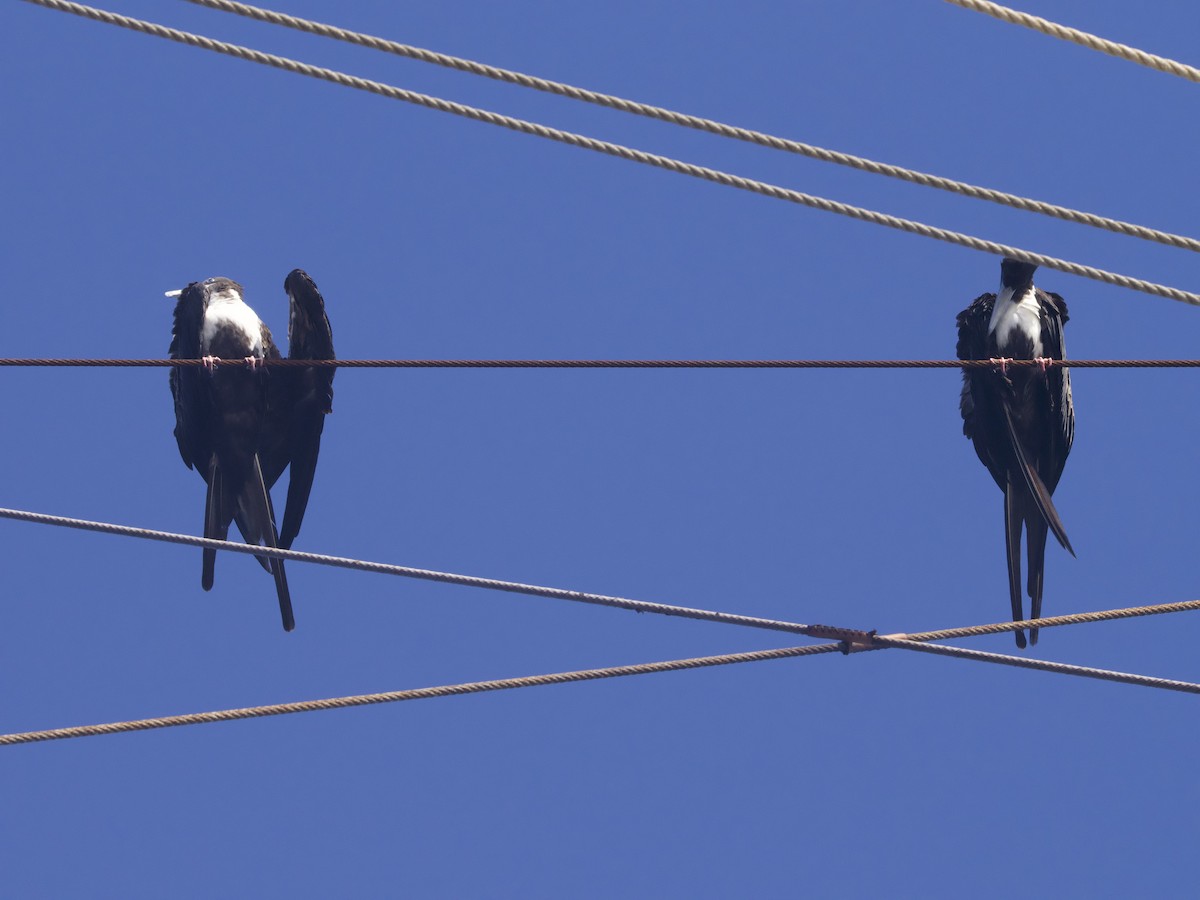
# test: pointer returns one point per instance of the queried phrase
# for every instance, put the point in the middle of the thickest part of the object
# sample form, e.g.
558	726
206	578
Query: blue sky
132	166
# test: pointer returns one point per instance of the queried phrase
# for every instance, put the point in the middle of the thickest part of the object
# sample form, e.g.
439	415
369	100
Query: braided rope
1083	38
701	124
622	152
504	684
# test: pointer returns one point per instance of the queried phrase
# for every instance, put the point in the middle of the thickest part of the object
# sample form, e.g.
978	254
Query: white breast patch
1021	314
227	310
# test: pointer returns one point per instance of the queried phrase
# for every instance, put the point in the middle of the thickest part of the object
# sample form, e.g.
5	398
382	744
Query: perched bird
299	400
220	413
1021	419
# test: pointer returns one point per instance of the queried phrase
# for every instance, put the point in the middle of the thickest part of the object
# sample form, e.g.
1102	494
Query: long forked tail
216	521
1014	508
254	509
1037	488
1036	540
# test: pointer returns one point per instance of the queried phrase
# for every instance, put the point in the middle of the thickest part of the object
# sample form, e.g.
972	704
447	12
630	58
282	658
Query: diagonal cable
449	690
701	124
621	152
1083	38
815	631
1042	665
360	565
876	643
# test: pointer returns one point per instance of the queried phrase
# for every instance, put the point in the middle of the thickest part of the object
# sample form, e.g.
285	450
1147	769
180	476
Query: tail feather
244	528
1013	517
1036	550
254	506
1037	489
216	522
300	481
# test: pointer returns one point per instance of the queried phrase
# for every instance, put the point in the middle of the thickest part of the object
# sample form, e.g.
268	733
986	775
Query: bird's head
212	287
1016	274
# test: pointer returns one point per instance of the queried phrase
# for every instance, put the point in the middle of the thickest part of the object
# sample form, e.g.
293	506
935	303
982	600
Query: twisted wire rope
640	156
875	643
1083	38
699	123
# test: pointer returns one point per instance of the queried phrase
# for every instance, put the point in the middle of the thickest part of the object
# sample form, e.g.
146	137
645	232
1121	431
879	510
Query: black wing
300	400
977	403
1059	382
192	403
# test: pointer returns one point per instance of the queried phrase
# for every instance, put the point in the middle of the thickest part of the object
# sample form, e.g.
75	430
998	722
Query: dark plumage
219	417
1021	421
300	398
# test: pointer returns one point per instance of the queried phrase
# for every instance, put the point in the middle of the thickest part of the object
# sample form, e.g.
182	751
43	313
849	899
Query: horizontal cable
1083	38
1042	665
449	690
614	363
640	156
513	587
701	124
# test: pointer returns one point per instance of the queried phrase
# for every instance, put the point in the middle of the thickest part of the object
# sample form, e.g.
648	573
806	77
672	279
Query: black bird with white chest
220	414
1020	419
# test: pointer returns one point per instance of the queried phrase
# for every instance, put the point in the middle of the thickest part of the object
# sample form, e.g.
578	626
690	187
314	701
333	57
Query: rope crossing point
701	124
849	640
621	152
1083	38
610	363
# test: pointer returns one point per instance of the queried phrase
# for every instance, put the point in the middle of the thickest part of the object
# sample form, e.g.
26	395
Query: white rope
650	159
1083	38
701	124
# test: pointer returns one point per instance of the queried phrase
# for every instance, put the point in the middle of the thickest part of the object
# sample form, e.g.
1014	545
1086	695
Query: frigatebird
220	413
300	398
1021	419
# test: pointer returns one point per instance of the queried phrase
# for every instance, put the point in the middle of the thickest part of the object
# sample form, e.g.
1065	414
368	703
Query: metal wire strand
819	631
31	362
651	159
1042	665
816	631
1083	38
279	709
360	565
701	124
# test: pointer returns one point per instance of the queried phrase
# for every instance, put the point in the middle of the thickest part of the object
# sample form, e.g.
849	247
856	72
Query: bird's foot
252	363
209	363
1001	364
1043	362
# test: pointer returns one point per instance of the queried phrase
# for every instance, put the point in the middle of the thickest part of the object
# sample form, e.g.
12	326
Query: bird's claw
209	363
252	363
1043	362
1001	364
